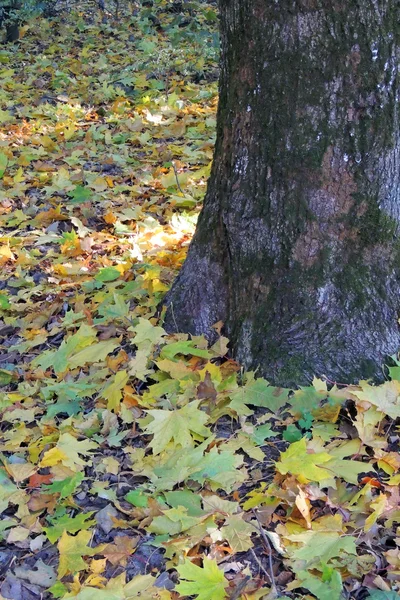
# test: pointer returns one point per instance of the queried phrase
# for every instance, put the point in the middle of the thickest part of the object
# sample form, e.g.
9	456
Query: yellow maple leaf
72	549
52	457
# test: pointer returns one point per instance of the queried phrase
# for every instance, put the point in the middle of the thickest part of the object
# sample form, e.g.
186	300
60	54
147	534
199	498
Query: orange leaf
36	480
121	550
110	218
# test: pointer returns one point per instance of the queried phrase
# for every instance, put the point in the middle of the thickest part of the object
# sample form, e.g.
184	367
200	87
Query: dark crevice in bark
297	248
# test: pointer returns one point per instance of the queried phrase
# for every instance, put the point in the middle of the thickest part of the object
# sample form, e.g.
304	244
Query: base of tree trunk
297	248
292	332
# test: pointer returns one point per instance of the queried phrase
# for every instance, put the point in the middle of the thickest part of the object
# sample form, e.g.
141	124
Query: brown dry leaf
206	389
122	548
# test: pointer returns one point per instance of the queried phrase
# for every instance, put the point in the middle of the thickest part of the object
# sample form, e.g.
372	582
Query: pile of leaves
136	464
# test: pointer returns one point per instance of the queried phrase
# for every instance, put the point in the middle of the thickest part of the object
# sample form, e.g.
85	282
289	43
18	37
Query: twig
260	564
239	589
269	550
176	177
166	87
334	382
173	317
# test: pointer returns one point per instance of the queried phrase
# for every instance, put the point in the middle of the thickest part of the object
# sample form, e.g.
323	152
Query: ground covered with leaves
136	464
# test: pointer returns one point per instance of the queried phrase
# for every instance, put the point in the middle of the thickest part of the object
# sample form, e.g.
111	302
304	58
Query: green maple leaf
107	274
72	549
65	487
220	470
207	583
330	587
349	470
177	426
173	521
71	525
321	546
119	308
80	194
4	302
92	354
262	433
85	336
306	467
187	499
137	498
258	392
381	595
187	348
147	332
3	163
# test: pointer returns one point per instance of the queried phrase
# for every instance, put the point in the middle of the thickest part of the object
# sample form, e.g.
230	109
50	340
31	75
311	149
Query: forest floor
136	464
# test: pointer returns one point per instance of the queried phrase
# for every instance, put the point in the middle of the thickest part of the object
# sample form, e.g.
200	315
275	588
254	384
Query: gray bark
297	246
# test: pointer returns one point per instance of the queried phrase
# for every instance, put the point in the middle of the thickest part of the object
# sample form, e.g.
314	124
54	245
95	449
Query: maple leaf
71	525
328	588
321	546
65	487
306	467
67	451
20	471
258	392
349	470
91	354
141	586
237	533
3	163
122	548
72	550
147	332
85	336
220	469
112	392
177	425
385	397
173	521
138	365
186	499
184	347
206	583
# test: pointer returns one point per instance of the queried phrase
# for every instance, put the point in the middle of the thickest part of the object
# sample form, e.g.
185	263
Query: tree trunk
12	32
8	18
297	246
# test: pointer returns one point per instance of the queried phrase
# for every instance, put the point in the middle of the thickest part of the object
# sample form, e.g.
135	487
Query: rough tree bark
8	18
297	246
